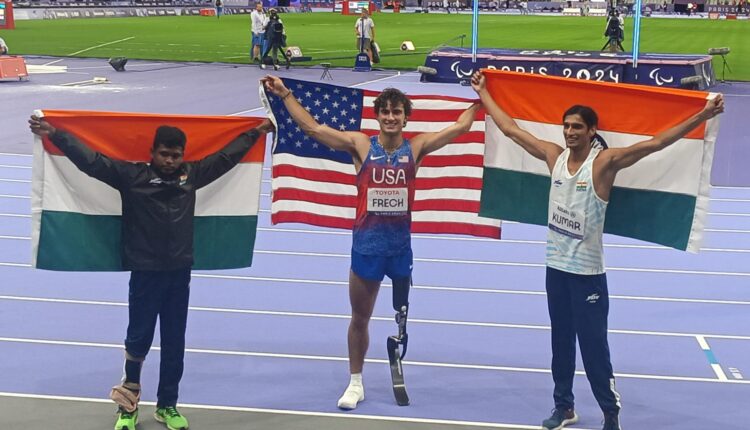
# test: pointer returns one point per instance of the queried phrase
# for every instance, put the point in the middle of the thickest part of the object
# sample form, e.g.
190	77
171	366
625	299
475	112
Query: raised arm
425	143
215	165
616	159
355	143
92	163
541	149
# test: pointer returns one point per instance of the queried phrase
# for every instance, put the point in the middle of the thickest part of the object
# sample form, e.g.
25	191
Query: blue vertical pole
474	31
636	32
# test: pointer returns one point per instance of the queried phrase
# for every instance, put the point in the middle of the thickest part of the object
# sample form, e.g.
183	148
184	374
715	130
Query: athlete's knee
359	321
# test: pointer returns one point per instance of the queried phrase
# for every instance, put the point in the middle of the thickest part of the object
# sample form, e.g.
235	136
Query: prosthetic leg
128	394
397	344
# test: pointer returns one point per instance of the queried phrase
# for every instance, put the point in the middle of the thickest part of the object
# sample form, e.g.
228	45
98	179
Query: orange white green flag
76	218
662	199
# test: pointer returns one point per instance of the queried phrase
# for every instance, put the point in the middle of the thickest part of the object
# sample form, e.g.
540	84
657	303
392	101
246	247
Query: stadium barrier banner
451	64
727	9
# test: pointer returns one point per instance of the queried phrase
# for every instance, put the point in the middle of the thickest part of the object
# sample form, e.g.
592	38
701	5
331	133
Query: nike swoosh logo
372	157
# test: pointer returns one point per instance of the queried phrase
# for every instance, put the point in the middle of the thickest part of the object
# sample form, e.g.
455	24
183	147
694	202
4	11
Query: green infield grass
329	37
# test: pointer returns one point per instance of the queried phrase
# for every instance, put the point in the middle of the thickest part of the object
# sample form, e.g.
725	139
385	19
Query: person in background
219	8
275	40
258	20
364	28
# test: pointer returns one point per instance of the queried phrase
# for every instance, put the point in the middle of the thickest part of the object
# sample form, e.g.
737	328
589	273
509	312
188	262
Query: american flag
314	184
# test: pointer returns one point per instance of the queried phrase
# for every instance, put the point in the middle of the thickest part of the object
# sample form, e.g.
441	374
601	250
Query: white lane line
377	80
376	318
370	360
508	263
487	263
89	49
14	154
728	214
23	181
441	288
458	289
726	230
293	412
483	239
14	166
459	239
711	358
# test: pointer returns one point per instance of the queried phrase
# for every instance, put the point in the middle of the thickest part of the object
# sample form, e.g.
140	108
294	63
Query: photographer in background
275	37
614	32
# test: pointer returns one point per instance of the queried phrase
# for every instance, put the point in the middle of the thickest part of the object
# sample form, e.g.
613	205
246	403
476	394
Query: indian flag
76	219
661	199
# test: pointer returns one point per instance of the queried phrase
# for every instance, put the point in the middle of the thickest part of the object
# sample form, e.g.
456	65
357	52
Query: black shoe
611	421
560	418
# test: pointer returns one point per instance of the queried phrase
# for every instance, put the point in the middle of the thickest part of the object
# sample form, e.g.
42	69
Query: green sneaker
126	420
171	417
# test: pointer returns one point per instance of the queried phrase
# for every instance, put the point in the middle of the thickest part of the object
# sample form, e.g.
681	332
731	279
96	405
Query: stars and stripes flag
314	184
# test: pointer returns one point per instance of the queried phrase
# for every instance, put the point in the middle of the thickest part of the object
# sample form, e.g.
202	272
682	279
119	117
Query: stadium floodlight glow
118	63
718	51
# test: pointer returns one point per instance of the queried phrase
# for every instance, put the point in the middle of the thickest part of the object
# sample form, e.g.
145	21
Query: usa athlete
386	167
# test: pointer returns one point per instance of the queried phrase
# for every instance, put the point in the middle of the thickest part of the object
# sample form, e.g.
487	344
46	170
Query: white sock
356	379
354	393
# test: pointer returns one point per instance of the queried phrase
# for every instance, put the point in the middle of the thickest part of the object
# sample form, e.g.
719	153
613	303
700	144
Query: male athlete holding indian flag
582	176
158	201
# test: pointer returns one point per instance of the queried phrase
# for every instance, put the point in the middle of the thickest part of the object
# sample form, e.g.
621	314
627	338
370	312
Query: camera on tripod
614	32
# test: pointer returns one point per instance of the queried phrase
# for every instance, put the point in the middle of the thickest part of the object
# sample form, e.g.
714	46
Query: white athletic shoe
354	394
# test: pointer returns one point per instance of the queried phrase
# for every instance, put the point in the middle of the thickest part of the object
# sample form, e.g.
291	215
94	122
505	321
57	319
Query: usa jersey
385	195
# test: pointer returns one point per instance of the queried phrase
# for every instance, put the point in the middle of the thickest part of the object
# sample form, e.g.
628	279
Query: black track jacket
157	212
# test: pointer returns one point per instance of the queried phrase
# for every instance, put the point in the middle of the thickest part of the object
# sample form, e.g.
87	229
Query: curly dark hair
394	97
